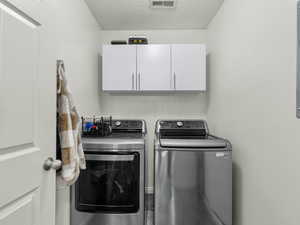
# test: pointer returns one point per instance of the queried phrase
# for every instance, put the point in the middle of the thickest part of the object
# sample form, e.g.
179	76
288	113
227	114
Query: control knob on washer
179	124
118	123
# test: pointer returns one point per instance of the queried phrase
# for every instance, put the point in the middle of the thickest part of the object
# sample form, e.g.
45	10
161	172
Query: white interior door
154	67
189	67
119	68
27	133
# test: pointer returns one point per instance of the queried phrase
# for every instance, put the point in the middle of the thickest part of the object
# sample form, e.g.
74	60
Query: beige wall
252	80
152	107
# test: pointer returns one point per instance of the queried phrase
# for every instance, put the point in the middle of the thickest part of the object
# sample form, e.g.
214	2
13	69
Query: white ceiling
137	14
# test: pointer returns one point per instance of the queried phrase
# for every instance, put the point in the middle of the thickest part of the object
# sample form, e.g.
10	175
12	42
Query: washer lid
210	142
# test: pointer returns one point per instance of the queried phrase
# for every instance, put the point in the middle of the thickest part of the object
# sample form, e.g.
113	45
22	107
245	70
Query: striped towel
69	127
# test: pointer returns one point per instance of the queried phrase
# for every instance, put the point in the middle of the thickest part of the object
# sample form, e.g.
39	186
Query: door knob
50	163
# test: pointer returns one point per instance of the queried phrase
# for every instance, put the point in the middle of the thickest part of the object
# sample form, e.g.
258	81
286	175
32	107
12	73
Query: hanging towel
69	128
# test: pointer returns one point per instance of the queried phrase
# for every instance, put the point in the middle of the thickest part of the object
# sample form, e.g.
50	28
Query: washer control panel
182	124
182	128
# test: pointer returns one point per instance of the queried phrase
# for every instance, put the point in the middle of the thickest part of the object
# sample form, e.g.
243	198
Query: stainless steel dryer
111	190
193	175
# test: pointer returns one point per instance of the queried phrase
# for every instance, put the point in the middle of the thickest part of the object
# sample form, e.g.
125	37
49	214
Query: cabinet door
189	67
119	68
154	67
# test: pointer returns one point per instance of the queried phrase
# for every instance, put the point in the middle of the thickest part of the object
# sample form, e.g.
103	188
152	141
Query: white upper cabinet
119	68
179	67
189	67
154	67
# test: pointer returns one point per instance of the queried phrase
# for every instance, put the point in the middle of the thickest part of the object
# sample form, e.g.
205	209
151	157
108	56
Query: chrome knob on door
50	163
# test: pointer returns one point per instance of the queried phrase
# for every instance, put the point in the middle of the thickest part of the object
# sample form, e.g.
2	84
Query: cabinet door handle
136	82
139	81
132	81
174	81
